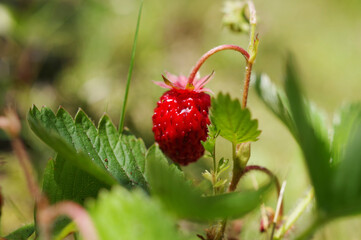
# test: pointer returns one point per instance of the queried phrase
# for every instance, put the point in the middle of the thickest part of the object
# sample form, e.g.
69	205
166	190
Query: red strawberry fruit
181	117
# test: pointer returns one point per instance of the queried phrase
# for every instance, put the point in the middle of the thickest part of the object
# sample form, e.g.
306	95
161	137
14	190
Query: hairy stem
210	53
246	84
238	170
252	49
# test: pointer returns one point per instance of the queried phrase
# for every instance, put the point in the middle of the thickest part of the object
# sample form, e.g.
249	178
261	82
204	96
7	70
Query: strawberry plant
104	182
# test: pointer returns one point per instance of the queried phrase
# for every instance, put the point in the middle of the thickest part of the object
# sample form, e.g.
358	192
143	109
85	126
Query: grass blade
130	71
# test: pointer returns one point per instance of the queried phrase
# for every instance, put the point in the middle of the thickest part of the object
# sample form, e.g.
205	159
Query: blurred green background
76	53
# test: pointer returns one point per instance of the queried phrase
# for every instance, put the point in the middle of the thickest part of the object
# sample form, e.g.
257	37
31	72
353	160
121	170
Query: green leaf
121	214
222	166
68	183
63	181
347	181
22	233
61	134
275	100
344	123
102	153
311	137
335	169
233	122
154	152
186	201
76	176
305	122
125	155
210	143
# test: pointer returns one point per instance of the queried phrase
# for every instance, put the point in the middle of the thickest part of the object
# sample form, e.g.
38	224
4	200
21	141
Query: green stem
130	71
222	229
215	172
237	171
293	217
252	37
253	23
253	53
250	56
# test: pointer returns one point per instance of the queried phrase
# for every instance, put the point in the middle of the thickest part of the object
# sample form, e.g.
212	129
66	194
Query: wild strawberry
181	117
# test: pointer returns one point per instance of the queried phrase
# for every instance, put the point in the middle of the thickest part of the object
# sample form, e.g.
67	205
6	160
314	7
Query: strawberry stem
210	53
249	168
246	84
252	49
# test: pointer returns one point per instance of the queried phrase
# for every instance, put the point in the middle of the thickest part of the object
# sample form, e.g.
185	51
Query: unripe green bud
243	153
235	16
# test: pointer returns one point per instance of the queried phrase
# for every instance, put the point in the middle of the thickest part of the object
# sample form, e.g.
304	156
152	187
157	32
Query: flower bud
243	153
235	16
